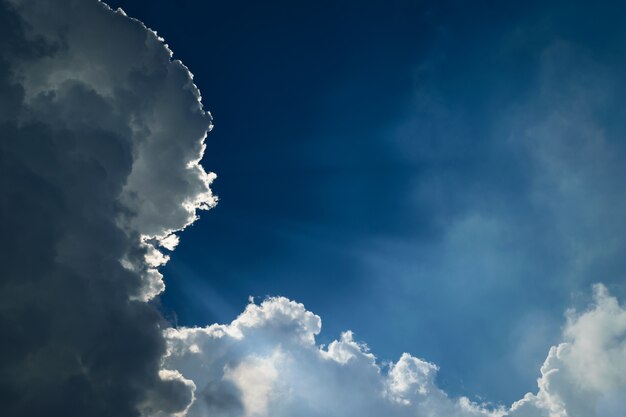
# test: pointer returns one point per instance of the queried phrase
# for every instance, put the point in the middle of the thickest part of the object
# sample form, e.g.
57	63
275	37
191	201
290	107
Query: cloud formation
102	133
586	374
267	363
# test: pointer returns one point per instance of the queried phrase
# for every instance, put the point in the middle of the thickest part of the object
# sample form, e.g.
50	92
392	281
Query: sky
423	173
418	208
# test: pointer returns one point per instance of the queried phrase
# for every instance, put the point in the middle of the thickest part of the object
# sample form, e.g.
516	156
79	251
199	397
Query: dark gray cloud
101	137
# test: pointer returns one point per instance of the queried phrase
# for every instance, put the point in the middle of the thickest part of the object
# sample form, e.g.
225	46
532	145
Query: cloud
586	374
523	177
267	363
102	133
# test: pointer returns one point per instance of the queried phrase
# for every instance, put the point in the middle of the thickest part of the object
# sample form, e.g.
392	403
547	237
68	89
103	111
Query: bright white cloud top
267	363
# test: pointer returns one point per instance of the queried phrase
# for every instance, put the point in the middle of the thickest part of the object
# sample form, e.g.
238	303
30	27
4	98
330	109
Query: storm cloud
101	133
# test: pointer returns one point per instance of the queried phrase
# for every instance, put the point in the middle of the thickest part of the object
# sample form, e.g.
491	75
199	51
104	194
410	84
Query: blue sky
443	179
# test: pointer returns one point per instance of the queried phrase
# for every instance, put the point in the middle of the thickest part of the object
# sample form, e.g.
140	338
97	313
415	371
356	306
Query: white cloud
267	363
255	377
584	376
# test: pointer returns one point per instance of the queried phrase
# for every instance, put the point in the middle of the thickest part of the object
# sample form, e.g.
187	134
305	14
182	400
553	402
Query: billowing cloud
267	363
102	133
584	376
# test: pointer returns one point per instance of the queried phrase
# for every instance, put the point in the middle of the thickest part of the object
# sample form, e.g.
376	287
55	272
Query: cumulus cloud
586	374
267	363
102	133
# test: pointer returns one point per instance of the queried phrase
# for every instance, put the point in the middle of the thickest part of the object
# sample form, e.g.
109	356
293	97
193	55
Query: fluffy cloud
102	134
267	363
101	138
584	376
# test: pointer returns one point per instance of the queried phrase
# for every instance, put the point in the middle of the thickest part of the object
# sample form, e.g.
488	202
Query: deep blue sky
443	179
